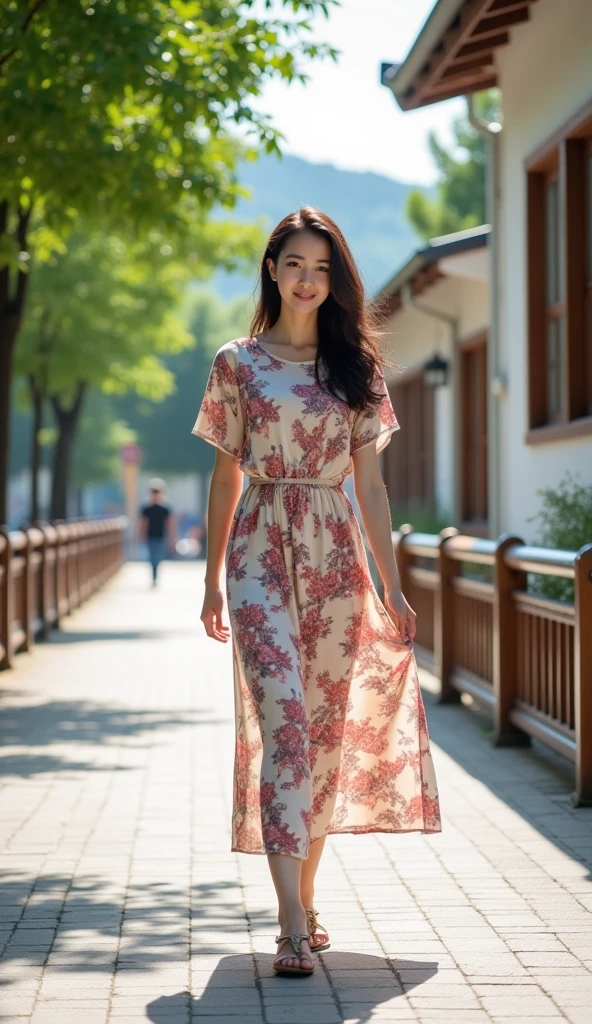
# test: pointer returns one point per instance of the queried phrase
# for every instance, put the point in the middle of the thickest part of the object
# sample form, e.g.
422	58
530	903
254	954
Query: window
559	191
408	466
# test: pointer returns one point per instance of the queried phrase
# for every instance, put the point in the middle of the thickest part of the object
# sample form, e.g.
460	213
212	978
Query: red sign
131	454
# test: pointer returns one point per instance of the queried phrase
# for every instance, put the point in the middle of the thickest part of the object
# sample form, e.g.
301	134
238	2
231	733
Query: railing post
62	556
444	602
6	601
582	796
505	645
52	540
27	593
43	582
121	542
403	557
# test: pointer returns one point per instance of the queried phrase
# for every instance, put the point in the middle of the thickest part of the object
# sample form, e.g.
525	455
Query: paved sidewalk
120	900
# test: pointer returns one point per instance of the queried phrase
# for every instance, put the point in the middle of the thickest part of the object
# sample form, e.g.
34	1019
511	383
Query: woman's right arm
225	491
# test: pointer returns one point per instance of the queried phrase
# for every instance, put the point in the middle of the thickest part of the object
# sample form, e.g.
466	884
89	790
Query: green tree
100	315
164	430
98	444
460	202
126	111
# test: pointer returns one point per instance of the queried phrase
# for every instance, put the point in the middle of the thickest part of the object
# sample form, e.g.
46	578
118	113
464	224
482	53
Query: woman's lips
303	298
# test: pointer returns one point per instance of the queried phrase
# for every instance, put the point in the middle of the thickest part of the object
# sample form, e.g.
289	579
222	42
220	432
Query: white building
538	333
439	304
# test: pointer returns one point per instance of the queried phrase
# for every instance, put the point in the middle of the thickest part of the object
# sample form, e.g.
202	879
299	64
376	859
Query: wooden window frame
474	527
565	155
588	260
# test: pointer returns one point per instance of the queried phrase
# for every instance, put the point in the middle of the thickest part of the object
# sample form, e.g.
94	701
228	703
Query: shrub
422	521
564	522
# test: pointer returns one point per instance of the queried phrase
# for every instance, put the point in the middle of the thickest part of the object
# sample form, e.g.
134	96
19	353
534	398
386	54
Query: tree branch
63	413
30	14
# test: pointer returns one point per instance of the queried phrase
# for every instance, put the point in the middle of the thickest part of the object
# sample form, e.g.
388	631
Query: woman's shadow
352	984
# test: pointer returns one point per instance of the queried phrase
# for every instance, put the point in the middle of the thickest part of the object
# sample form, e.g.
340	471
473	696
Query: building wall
414	336
545	77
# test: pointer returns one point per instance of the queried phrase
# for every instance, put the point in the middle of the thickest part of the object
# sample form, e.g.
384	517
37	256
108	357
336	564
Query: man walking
156	526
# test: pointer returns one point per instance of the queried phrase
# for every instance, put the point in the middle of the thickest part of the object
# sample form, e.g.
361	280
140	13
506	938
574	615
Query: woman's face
302	271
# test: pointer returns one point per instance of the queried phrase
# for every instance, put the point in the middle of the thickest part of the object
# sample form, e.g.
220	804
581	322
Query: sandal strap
296	941
312	916
315	924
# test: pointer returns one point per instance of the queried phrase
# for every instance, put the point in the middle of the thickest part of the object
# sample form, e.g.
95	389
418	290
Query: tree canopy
164	430
130	108
461	201
101	315
97	452
127	112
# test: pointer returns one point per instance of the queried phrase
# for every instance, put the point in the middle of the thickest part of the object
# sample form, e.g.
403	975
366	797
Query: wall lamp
435	372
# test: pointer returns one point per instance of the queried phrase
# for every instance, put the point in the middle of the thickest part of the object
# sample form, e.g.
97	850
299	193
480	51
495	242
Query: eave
425	267
455	52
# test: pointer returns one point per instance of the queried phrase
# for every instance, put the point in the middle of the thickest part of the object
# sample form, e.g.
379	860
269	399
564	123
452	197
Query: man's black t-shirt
156	515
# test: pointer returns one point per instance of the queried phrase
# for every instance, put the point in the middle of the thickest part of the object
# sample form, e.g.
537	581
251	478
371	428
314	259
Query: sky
344	116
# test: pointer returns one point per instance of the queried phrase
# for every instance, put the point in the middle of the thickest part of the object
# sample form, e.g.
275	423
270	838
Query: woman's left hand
401	613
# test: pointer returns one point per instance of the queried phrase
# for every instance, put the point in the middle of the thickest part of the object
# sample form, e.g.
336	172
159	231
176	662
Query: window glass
555	363
553	244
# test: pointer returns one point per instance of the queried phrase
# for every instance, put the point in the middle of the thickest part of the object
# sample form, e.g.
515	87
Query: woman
330	725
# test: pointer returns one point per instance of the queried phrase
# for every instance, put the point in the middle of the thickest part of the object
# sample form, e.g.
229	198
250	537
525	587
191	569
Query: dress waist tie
292	480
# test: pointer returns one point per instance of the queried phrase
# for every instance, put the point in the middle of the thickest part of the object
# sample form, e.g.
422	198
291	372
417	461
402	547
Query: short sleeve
220	419
374	424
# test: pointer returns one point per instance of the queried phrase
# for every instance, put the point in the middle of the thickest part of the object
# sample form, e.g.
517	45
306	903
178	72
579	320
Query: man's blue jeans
156	553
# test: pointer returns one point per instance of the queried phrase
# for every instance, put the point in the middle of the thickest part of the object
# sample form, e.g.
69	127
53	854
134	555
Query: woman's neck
298	330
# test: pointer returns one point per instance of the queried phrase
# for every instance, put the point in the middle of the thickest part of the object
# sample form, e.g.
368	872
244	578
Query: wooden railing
525	657
47	571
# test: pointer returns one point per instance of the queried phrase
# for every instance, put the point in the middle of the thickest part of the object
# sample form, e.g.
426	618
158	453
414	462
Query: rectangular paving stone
519	1005
434	1016
354	1013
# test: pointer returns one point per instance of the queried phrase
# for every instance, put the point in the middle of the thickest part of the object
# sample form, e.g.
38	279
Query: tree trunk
12	302
6	350
67	421
37	404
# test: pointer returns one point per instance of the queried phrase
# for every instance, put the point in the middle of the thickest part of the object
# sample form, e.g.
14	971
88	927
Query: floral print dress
331	732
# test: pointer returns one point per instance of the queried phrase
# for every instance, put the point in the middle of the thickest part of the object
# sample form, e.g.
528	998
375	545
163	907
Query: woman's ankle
289	917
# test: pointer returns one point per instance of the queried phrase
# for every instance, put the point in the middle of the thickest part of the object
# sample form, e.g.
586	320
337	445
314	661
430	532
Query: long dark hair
350	328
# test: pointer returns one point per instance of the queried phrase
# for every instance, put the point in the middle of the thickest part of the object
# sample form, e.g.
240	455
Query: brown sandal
315	927
296	941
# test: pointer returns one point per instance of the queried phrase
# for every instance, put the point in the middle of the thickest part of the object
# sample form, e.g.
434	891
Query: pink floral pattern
331	733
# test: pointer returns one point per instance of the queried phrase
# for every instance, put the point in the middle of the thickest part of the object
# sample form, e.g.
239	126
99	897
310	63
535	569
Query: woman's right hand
211	614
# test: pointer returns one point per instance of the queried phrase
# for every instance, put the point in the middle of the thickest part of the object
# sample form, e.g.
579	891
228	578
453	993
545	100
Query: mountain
369	209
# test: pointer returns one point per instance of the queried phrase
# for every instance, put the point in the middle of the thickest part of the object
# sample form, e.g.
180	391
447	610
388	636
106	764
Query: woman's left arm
372	498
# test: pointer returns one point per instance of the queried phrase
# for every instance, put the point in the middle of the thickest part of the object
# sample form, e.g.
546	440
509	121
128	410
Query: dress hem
361	831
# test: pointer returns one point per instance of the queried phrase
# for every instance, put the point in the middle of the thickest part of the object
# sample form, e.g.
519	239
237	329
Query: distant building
439	303
520	392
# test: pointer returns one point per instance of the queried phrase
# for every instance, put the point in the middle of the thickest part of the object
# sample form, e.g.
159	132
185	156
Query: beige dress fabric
331	733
